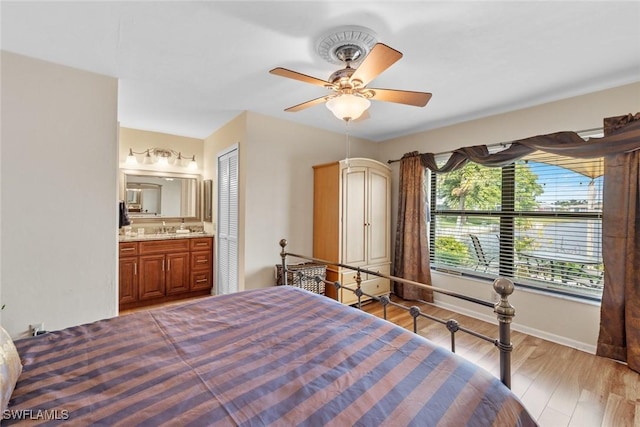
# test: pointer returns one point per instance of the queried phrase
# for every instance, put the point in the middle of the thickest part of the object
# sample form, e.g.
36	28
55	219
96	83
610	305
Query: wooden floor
560	386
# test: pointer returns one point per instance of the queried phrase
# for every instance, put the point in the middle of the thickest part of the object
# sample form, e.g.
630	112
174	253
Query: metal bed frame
503	309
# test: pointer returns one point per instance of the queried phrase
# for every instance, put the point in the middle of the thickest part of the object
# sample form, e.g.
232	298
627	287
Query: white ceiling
187	68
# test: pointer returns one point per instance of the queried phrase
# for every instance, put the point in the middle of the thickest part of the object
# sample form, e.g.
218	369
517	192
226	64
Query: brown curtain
620	310
411	260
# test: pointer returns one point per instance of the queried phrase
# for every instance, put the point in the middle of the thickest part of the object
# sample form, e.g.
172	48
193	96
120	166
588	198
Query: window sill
521	288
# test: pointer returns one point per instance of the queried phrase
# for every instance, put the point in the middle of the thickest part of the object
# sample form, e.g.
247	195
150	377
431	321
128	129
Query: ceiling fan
350	97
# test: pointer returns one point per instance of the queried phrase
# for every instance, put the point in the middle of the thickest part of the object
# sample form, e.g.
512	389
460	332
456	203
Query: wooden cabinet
351	223
154	271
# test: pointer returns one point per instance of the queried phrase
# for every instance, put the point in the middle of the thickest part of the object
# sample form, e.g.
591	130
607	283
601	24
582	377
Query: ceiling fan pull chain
348	145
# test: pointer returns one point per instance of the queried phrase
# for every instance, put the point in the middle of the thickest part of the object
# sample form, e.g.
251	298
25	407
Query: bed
242	359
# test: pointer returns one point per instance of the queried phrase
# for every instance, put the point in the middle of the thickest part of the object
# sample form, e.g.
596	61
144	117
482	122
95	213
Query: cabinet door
128	280
151	283
378	221
354	216
177	273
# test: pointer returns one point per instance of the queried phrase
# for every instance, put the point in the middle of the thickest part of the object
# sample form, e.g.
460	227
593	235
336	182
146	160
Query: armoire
351	224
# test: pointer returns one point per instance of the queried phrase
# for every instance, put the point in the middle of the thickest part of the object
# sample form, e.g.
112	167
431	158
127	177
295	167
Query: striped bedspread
276	356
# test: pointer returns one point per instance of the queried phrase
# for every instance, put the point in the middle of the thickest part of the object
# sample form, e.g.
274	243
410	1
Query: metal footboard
503	309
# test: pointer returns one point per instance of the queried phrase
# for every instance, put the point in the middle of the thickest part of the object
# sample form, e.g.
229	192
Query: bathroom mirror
161	196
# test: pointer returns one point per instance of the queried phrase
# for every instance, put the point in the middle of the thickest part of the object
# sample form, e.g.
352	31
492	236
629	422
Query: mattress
274	356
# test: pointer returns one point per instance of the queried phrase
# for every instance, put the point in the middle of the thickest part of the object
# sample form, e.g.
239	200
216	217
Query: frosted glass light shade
192	164
348	106
131	159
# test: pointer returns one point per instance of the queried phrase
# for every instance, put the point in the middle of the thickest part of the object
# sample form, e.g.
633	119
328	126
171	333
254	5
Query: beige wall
277	188
564	320
58	194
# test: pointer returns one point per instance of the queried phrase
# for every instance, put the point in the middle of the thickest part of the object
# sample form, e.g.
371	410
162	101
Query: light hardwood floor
559	385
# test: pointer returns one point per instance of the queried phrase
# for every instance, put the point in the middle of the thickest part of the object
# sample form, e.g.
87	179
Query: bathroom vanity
157	269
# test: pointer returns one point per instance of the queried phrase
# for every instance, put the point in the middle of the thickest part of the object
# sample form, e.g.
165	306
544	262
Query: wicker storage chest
303	276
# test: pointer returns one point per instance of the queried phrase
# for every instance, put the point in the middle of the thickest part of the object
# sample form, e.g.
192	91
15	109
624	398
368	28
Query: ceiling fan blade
283	72
379	59
307	104
418	99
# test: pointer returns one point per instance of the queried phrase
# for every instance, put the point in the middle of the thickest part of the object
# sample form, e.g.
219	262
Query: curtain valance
624	138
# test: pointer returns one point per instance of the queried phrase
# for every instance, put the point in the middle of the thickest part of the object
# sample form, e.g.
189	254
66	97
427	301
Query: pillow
10	368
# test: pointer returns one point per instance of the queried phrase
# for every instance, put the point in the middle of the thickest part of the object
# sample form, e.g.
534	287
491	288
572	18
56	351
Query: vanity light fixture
162	157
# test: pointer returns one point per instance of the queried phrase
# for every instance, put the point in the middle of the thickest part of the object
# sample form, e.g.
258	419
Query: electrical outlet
37	328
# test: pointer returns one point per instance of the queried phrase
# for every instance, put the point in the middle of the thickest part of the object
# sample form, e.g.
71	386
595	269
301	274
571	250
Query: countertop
164	236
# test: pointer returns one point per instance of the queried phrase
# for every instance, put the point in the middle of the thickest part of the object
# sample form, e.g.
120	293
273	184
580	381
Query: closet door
227	228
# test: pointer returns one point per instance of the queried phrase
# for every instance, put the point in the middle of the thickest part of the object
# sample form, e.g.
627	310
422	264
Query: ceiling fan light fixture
348	106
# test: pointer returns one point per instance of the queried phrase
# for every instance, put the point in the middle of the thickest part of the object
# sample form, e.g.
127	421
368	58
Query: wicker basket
309	271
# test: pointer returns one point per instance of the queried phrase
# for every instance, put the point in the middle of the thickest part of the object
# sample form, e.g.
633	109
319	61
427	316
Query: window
538	221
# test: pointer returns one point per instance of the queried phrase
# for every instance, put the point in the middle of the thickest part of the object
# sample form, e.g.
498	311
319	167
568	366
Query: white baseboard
568	342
